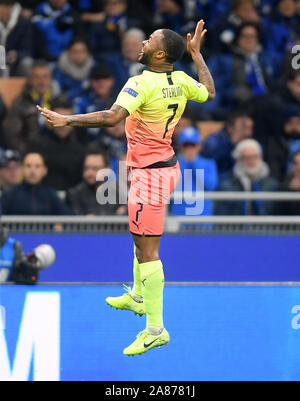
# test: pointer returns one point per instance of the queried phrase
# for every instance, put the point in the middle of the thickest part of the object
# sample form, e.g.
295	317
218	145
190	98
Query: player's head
163	46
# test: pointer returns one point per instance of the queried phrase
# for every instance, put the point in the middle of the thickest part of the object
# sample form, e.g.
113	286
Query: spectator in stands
83	198
23	124
73	68
89	10
28	7
290	94
188	119
16	37
243	75
292	184
291	134
281	28
10	169
125	65
214	12
61	150
32	197
271	117
251	66
240	12
219	146
169	14
141	11
3	112
190	161
105	37
99	96
56	23
279	133
250	173
113	142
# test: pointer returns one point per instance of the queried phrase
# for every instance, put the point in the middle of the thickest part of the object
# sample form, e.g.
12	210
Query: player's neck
161	67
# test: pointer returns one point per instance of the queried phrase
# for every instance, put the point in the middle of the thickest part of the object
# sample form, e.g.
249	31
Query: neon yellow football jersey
155	102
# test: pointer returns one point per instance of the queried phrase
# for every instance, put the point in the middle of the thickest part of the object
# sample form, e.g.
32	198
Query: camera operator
17	267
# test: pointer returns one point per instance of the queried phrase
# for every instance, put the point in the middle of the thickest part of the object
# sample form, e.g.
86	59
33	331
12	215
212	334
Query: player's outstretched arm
106	118
194	46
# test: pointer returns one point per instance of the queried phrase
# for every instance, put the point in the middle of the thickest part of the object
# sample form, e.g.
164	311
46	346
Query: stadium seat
10	88
209	127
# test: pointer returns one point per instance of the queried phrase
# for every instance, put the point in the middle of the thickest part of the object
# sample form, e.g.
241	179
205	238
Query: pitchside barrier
243	271
194	248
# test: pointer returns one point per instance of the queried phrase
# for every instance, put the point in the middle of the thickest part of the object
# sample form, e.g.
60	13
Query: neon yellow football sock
152	278
137	291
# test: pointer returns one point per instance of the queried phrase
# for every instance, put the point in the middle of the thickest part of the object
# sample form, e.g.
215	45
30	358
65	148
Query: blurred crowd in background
76	56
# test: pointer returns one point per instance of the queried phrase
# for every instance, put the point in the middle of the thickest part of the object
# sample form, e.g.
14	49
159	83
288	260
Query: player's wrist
196	55
68	120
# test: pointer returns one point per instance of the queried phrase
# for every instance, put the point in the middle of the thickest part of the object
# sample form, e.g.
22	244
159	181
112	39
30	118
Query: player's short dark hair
174	45
60	102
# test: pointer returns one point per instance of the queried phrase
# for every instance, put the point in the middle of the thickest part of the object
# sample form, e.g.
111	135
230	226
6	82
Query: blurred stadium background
232	299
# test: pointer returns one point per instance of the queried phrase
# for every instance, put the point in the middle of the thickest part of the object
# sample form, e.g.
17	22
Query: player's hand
53	119
194	43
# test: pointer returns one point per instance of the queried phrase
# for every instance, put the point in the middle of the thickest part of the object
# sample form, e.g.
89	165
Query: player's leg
152	278
132	300
146	220
137	291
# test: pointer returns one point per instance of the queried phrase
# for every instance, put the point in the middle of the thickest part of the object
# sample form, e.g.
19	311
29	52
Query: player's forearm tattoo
90	120
204	75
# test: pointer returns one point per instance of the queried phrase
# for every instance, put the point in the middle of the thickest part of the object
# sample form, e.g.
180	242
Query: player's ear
161	54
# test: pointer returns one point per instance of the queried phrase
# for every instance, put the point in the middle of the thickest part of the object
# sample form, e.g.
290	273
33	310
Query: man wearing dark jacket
16	36
250	173
23	123
55	24
32	197
291	92
61	150
83	197
219	146
291	184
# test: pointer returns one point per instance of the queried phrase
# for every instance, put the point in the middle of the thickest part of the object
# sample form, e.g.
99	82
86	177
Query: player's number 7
174	107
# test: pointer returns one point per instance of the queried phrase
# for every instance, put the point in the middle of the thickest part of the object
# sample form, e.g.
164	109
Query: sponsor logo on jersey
131	92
